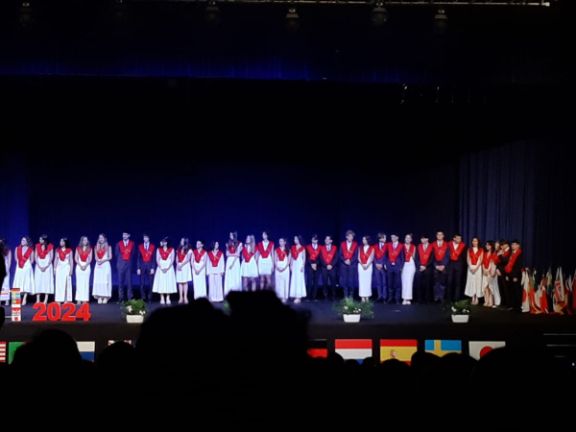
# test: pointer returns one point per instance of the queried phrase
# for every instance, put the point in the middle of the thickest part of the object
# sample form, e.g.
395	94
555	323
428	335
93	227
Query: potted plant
135	311
460	311
352	311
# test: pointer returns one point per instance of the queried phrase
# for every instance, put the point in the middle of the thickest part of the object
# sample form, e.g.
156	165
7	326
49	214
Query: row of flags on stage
553	295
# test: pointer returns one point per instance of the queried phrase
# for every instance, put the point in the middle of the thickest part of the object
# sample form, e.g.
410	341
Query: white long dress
474	280
83	280
408	272
282	278
5	291
24	277
365	275
249	267
490	281
266	264
44	280
215	292
164	282
102	284
232	276
63	289
297	279
184	274
199	280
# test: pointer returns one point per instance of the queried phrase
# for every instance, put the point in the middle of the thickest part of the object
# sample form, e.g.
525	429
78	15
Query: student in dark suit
349	264
125	250
440	261
146	264
424	271
394	264
456	268
380	268
313	267
328	260
502	257
513	275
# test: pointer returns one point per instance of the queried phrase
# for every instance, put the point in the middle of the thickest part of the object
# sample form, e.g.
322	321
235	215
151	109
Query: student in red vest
513	275
349	264
380	268
328	260
502	258
183	269
456	269
313	267
265	260
440	261
146	264
394	264
423	292
125	250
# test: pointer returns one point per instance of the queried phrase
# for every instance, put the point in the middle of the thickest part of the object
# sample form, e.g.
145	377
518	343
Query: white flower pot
460	318
135	319
351	318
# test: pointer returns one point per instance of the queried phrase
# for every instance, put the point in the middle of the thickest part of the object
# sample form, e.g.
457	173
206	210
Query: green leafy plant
461	307
134	307
349	306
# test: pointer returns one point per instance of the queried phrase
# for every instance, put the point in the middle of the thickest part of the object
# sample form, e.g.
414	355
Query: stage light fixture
292	19
440	21
379	14
212	12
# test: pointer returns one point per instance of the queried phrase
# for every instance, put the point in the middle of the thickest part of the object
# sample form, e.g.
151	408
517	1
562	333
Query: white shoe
105	301
168	301
162	300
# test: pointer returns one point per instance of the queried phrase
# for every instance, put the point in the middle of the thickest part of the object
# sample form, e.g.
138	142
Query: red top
232	249
348	253
455	253
215	258
393	254
247	255
63	253
100	252
424	255
198	255
513	257
365	256
125	251
164	254
83	253
182	255
380	251
313	253
265	253
489	256
146	254
23	257
409	251
42	253
440	251
474	257
328	255
281	254
295	251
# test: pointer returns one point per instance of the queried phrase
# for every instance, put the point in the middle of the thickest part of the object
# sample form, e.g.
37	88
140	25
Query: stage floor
418	322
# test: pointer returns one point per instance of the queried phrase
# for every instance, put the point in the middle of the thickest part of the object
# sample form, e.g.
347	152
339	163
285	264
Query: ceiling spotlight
441	15
379	14
440	21
212	12
292	19
25	13
292	13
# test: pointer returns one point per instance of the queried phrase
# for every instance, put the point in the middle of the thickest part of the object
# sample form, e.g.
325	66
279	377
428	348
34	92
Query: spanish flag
398	349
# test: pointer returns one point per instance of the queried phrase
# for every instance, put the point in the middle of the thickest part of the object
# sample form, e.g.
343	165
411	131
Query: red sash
379	253
295	251
182	256
455	254
265	253
424	255
23	258
164	254
42	253
198	255
215	259
409	253
232	249
348	253
475	256
513	257
328	255
440	251
125	251
146	254
100	252
281	254
83	254
393	254
364	256
313	253
63	253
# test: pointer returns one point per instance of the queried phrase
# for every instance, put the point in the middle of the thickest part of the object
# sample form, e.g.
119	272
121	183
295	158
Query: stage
419	323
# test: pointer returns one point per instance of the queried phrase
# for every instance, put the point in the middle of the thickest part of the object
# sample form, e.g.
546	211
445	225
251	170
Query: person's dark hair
46	239
381	235
80	241
350	232
440	232
66	242
515	241
457	235
368	239
314	237
29	241
4	247
491	243
233	241
186	245
213	243
329	236
103	235
300	239
424	236
166	239
504	242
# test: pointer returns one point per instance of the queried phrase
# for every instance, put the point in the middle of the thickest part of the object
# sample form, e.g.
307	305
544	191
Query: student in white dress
24	275
164	277
489	276
232	276
215	271
365	269
297	265
265	258
474	258
183	269
408	270
83	258
63	265
44	271
249	267
199	270
282	270
6	255
102	284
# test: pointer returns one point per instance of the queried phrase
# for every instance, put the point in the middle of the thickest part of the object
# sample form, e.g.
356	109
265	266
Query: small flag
559	297
12	347
479	349
399	349
87	350
112	342
354	349
442	347
318	348
3	351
